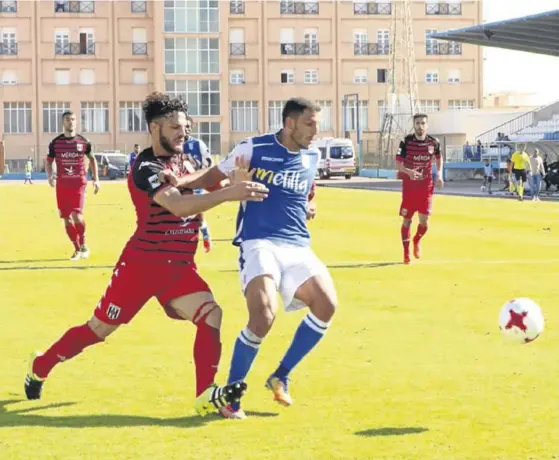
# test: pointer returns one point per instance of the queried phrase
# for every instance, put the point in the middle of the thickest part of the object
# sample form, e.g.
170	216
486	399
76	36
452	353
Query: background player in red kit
414	162
158	260
69	150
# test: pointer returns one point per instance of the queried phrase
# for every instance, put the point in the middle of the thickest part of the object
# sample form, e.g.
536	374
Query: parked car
337	157
112	165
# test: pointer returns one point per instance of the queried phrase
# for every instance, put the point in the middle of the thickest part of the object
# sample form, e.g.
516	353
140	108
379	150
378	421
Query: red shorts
135	281
417	202
69	200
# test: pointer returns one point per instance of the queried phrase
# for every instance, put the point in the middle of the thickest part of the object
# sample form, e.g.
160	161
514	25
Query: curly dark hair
158	105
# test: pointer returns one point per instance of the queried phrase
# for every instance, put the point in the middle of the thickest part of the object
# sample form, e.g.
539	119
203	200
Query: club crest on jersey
79	147
431	149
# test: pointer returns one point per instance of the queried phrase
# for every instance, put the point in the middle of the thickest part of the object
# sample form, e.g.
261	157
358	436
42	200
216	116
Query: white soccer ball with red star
521	320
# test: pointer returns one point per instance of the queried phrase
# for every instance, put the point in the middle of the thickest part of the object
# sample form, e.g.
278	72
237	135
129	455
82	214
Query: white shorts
290	266
28	175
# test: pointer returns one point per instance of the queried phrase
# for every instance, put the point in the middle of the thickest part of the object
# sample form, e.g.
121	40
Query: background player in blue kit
275	253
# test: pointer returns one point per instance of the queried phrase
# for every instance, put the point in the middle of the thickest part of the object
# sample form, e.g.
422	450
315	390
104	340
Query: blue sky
515	71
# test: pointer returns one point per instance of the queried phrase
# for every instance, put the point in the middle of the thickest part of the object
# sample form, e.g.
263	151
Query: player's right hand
247	191
241	172
168	177
413	174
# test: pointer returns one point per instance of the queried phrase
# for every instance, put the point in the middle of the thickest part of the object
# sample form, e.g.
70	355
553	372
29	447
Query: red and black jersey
69	155
160	235
418	155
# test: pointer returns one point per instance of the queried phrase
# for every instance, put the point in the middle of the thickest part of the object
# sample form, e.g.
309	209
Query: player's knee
214	316
261	320
406	222
324	306
100	328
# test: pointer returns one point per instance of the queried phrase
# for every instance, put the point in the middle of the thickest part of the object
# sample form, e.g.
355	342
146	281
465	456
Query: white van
337	157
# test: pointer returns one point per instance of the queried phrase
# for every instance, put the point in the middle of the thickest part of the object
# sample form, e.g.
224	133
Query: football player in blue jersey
198	152
274	242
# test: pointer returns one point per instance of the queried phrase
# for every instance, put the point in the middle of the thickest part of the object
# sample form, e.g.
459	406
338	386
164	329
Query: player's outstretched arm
94	168
188	205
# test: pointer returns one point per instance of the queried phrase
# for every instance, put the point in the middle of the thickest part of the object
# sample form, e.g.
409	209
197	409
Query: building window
453	76
382	75
360	76
17	117
461	104
429	105
139	76
8	42
244	116
432	77
138	6
8	6
236	7
87	76
139	41
381	111
192	56
274	115
202	96
287	76
431	44
65	6
52	116
95	117
237	77
210	133
9	77
192	16
383	41
325	115
132	119
350	115
311	77
62	76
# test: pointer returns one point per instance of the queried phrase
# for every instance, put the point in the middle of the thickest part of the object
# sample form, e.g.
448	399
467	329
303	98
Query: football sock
246	349
405	232
80	229
72	235
308	334
421	231
71	344
207	353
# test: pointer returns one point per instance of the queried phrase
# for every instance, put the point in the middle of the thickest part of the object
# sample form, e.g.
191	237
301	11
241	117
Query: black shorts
488	179
520	174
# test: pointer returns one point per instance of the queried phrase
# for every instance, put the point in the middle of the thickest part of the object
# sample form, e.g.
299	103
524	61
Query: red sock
421	231
72	235
405	232
72	343
80	229
207	353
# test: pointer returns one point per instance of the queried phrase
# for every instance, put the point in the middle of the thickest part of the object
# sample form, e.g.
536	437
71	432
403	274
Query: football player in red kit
414	162
158	260
68	151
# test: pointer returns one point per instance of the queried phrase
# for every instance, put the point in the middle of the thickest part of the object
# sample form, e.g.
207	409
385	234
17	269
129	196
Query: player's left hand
311	211
241	173
96	187
440	181
168	177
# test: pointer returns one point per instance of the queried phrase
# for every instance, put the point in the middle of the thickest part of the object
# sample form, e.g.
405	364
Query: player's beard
166	144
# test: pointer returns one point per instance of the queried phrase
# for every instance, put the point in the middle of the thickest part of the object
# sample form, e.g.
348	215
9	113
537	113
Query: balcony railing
372	8
8	49
74	6
139	49
138	6
453	9
237	49
371	49
299	49
237	7
444	49
73	49
8	7
299	7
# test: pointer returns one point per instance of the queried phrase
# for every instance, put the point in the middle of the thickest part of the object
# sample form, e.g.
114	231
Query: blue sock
308	334
246	348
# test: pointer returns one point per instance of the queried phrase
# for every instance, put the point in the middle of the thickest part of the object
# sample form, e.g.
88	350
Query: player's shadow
31	261
391	431
28	417
336	266
55	267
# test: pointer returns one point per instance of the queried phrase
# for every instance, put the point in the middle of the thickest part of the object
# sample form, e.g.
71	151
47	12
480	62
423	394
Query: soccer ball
483	188
521	320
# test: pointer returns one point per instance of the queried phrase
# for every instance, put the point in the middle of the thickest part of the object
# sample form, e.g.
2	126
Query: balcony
8	49
237	49
444	49
138	6
8	7
299	7
372	8
74	6
237	7
299	49
371	49
448	9
139	49
74	49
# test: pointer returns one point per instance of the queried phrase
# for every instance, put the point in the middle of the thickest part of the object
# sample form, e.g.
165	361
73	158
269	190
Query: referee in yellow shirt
520	162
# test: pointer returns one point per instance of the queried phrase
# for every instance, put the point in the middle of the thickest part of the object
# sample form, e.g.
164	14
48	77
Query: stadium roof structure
534	34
